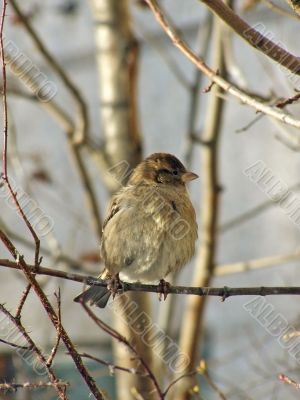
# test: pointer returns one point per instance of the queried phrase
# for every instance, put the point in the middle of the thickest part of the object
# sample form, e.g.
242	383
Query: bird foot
115	285
163	289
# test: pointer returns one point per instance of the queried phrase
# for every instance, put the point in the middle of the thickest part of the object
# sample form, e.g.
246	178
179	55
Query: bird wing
124	234
113	209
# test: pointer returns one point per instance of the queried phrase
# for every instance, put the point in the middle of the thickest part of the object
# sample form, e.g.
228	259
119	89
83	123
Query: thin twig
253	37
223	83
58	334
288	101
72	263
6	387
178	379
280	10
289	381
211	383
33	347
224	292
77	133
5	138
116	335
256	263
113	367
4	99
15	345
254	212
82	125
22	301
52	316
194	100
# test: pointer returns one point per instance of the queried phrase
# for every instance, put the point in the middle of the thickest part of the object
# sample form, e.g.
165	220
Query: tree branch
33	347
52	316
13	387
253	37
224	84
83	124
139	287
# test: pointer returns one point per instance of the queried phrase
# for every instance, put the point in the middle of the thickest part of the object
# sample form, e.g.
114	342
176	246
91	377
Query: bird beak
188	176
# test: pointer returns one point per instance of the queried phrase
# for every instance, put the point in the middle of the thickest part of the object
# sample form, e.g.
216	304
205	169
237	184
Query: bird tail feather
95	295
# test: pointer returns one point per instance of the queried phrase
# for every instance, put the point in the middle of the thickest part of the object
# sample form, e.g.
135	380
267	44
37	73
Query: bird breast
151	235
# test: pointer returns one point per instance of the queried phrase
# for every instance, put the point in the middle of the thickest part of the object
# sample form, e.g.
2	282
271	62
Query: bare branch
4	99
22	301
116	335
82	127
7	387
289	381
113	367
139	287
59	332
32	347
254	38
53	317
224	84
15	345
256	263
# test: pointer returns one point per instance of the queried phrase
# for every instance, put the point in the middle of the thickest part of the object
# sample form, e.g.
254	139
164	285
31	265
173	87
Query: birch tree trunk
117	58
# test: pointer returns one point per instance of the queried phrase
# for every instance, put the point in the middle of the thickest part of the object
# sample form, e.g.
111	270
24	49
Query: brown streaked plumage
151	226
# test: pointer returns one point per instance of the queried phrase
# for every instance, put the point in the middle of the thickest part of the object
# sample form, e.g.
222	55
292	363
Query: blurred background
117	89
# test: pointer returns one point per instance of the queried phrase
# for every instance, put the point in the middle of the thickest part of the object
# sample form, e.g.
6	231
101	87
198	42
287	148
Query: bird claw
163	289
115	285
225	293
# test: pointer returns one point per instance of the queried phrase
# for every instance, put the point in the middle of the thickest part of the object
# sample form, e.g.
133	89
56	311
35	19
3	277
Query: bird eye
175	172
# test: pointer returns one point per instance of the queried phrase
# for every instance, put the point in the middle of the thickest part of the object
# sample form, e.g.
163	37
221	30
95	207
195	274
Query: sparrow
150	229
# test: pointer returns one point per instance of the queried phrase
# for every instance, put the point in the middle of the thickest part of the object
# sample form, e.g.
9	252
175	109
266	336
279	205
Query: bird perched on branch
151	227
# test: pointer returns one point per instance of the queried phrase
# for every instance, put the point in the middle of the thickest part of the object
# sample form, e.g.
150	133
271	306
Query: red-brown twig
289	381
30	277
53	317
5	137
116	335
58	334
33	347
37	259
4	99
189	374
288	101
113	367
22	301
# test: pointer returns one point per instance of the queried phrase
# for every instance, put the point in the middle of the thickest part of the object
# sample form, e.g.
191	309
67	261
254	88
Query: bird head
161	168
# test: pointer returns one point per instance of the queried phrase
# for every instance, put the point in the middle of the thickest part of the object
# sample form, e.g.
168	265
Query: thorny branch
116	335
52	316
5	138
59	331
4	99
224	292
22	301
32	347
